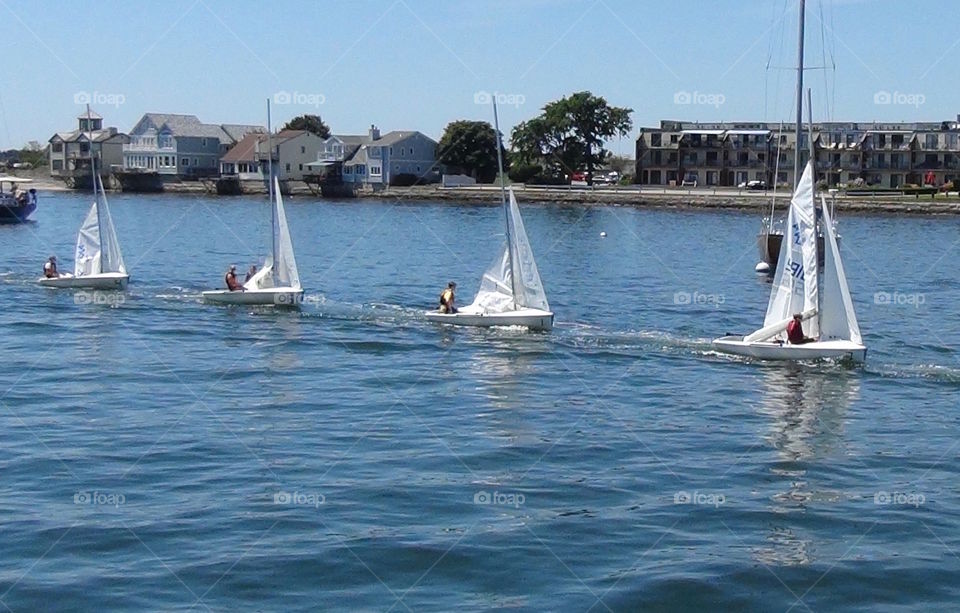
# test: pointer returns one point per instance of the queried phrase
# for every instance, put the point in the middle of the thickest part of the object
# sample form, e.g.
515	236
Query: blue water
157	453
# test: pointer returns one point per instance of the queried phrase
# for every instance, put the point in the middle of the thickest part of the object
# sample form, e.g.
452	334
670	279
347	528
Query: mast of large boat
273	207
799	123
503	201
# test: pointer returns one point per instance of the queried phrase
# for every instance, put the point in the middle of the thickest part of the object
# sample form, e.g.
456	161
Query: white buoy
762	267
603	235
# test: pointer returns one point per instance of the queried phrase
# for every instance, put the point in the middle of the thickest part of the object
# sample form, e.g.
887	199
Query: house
293	150
70	151
180	145
730	153
381	160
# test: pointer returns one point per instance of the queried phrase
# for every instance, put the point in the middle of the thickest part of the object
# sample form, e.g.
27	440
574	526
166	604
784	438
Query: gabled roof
93	115
244	150
387	140
99	136
237	131
180	125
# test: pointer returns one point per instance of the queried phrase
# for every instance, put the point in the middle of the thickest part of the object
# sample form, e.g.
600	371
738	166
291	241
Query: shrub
522	173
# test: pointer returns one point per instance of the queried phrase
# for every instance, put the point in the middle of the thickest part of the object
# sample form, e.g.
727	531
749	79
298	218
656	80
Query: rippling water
162	454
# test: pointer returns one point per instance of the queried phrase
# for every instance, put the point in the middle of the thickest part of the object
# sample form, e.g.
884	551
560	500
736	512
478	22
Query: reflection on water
806	410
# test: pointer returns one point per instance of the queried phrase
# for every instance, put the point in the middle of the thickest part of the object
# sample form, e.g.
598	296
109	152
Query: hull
534	319
16	214
275	296
768	247
766	350
105	281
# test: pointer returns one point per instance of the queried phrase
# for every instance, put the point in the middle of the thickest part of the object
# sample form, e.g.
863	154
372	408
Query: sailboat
277	282
98	263
511	292
824	304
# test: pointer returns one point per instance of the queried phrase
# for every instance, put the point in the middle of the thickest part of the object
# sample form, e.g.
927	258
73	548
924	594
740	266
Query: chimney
374	132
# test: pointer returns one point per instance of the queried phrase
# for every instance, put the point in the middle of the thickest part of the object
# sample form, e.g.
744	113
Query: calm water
161	454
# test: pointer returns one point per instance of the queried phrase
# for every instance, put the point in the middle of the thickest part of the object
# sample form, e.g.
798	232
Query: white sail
795	283
86	260
528	288
285	264
111	260
512	281
838	321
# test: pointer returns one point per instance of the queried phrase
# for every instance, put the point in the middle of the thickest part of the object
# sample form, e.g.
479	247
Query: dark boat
16	205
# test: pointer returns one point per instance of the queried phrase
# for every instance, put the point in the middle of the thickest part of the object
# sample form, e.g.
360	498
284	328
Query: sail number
795	269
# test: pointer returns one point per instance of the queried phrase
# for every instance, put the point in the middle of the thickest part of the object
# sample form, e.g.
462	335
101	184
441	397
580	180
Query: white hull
105	281
277	296
534	319
772	350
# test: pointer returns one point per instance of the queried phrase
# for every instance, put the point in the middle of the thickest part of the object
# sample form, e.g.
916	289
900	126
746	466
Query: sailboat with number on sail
511	292
821	299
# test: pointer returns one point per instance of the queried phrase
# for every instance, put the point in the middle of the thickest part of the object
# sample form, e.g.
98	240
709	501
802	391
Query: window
303	150
375	171
361	169
673	139
57	147
185	161
374	152
84	147
288	166
402	151
203	143
196	161
57	164
411	151
348	170
932	141
301	167
655	140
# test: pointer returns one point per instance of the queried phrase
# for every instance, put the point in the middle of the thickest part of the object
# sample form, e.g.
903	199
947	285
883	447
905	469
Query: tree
570	133
470	148
310	123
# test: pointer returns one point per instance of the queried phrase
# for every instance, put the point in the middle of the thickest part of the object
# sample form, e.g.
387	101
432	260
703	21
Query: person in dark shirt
447	299
795	331
231	280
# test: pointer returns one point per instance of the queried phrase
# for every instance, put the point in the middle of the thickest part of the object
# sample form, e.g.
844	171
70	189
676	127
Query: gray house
180	145
70	152
380	160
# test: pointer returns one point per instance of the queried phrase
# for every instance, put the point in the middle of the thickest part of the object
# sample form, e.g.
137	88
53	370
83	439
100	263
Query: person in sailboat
50	268
231	279
795	331
250	273
447	298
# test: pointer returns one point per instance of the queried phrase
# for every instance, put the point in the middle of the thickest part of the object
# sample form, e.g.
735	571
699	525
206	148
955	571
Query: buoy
762	267
603	235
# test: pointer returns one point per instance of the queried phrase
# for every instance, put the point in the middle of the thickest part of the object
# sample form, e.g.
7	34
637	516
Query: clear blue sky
417	64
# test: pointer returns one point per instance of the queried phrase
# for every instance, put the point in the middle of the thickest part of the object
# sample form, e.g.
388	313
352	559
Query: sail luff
838	320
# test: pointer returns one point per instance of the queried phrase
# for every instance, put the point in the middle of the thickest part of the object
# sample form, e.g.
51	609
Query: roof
181	125
237	131
244	150
749	132
99	136
704	132
93	115
387	140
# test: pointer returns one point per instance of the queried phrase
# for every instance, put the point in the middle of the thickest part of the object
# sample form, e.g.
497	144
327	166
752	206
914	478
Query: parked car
756	184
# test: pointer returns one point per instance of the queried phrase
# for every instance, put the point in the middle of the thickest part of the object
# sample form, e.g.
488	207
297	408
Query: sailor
231	279
50	268
795	331
447	299
250	273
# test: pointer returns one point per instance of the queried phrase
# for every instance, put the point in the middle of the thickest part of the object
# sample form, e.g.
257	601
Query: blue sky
419	64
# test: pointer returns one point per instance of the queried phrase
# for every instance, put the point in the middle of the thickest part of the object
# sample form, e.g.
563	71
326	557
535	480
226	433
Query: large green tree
470	147
570	133
310	123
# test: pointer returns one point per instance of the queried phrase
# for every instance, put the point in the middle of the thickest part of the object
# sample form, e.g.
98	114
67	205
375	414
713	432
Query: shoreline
633	196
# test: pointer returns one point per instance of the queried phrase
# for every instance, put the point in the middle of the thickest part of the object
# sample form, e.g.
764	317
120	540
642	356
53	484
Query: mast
816	219
799	124
93	178
503	201
273	207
